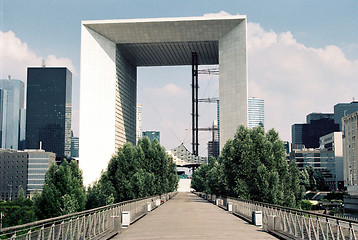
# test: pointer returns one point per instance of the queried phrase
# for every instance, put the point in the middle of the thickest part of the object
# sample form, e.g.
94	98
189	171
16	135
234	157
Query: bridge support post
257	218
126	219
229	207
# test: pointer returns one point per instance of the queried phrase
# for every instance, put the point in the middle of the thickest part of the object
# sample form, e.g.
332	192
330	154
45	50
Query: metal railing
90	224
289	222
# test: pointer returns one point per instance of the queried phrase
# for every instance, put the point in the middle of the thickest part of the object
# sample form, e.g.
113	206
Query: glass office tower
12	113
49	102
256	113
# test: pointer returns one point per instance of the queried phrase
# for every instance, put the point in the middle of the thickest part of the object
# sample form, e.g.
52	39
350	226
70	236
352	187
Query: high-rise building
38	162
323	160
48	120
332	145
75	143
328	159
152	135
12	114
213	149
350	149
256	112
23	169
139	122
3	103
308	134
287	147
13	172
344	109
350	161
213	145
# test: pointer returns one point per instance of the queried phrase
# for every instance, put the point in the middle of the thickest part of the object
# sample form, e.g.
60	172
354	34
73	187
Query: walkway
187	216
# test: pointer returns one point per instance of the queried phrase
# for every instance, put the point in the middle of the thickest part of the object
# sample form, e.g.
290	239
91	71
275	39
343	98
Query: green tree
63	191
18	212
316	179
252	166
199	179
134	172
100	193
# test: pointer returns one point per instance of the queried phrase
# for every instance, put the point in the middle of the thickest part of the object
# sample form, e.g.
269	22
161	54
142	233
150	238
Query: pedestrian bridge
188	216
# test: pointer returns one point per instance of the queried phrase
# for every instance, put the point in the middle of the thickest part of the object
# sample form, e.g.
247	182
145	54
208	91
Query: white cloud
296	80
218	15
16	56
169	90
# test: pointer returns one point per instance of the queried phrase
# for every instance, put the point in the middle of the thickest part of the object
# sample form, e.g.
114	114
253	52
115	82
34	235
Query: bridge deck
187	216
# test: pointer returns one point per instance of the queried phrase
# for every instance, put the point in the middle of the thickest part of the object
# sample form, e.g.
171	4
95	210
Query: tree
134	172
252	166
63	191
316	179
18	212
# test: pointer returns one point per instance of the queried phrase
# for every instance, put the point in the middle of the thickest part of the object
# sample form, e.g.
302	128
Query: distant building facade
322	160
287	147
38	162
318	125
350	149
3	107
12	114
139	122
332	143
13	173
152	135
213	145
343	109
23	169
75	143
49	104
182	156
350	161
256	112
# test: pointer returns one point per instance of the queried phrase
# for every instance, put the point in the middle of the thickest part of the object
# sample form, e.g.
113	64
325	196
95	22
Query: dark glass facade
309	133
49	103
152	135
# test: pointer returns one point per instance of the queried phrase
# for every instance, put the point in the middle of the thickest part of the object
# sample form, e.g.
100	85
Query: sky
302	56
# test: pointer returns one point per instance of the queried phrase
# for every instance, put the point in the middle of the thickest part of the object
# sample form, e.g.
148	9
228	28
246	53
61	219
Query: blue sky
309	36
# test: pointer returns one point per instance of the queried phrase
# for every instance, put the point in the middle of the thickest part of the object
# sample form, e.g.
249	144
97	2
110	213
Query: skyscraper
75	147
344	109
139	122
318	125
3	102
213	145
152	135
256	113
49	102
12	113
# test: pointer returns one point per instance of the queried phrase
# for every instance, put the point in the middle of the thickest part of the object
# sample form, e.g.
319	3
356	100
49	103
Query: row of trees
253	166
134	172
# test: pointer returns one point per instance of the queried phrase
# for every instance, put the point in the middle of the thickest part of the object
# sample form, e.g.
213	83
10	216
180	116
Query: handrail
67	216
85	224
288	222
282	207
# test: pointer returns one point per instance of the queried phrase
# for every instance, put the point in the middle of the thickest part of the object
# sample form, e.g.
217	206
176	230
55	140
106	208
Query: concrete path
187	216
